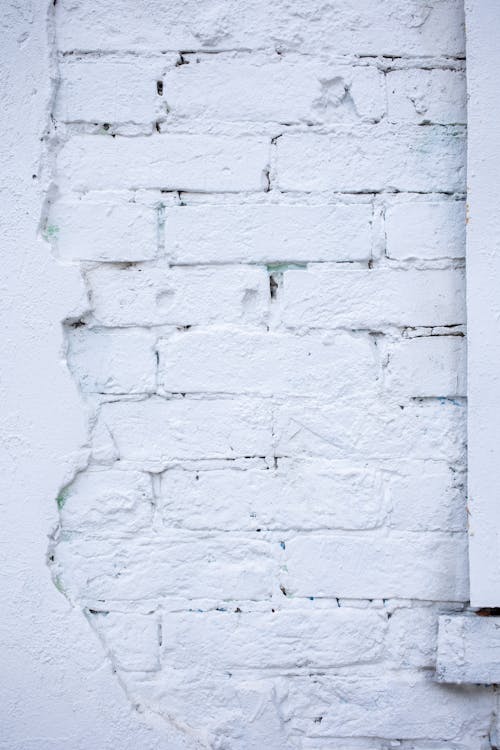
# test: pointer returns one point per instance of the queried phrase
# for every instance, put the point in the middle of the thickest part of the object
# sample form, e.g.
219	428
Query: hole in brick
125	264
267	180
159	88
273	286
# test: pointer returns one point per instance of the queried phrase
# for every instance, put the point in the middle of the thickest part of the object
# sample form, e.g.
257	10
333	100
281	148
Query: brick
108	91
305	495
370	27
286	90
201	163
373	158
108	501
427	96
427	230
132	639
158	295
427	366
279	639
104	232
468	648
113	361
378	564
156	430
373	704
412	637
329	297
361	431
268	233
436	504
234	361
174	564
239	708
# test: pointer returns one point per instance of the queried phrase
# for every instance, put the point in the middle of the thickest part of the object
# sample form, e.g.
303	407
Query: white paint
269	516
57	689
483	281
468	649
391	157
360	298
430	229
269	233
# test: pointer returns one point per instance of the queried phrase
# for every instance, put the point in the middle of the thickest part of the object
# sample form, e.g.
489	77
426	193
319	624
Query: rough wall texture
266	204
57	690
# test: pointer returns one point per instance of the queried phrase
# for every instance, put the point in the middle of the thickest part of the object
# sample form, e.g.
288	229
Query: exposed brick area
266	202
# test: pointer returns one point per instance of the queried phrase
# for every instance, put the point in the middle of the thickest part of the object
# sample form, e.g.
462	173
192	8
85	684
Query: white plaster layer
58	690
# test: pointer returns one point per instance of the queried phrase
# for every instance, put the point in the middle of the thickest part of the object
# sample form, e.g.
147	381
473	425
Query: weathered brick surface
202	163
121	232
322	297
178	296
370	28
427	366
426	96
275	233
299	494
373	158
394	564
234	361
425	229
266	202
290	90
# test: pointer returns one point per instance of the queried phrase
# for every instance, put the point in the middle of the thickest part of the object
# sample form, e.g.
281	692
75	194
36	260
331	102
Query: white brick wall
269	233
266	203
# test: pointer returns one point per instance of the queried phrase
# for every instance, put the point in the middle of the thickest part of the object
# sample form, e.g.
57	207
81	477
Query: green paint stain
61	499
51	231
281	267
